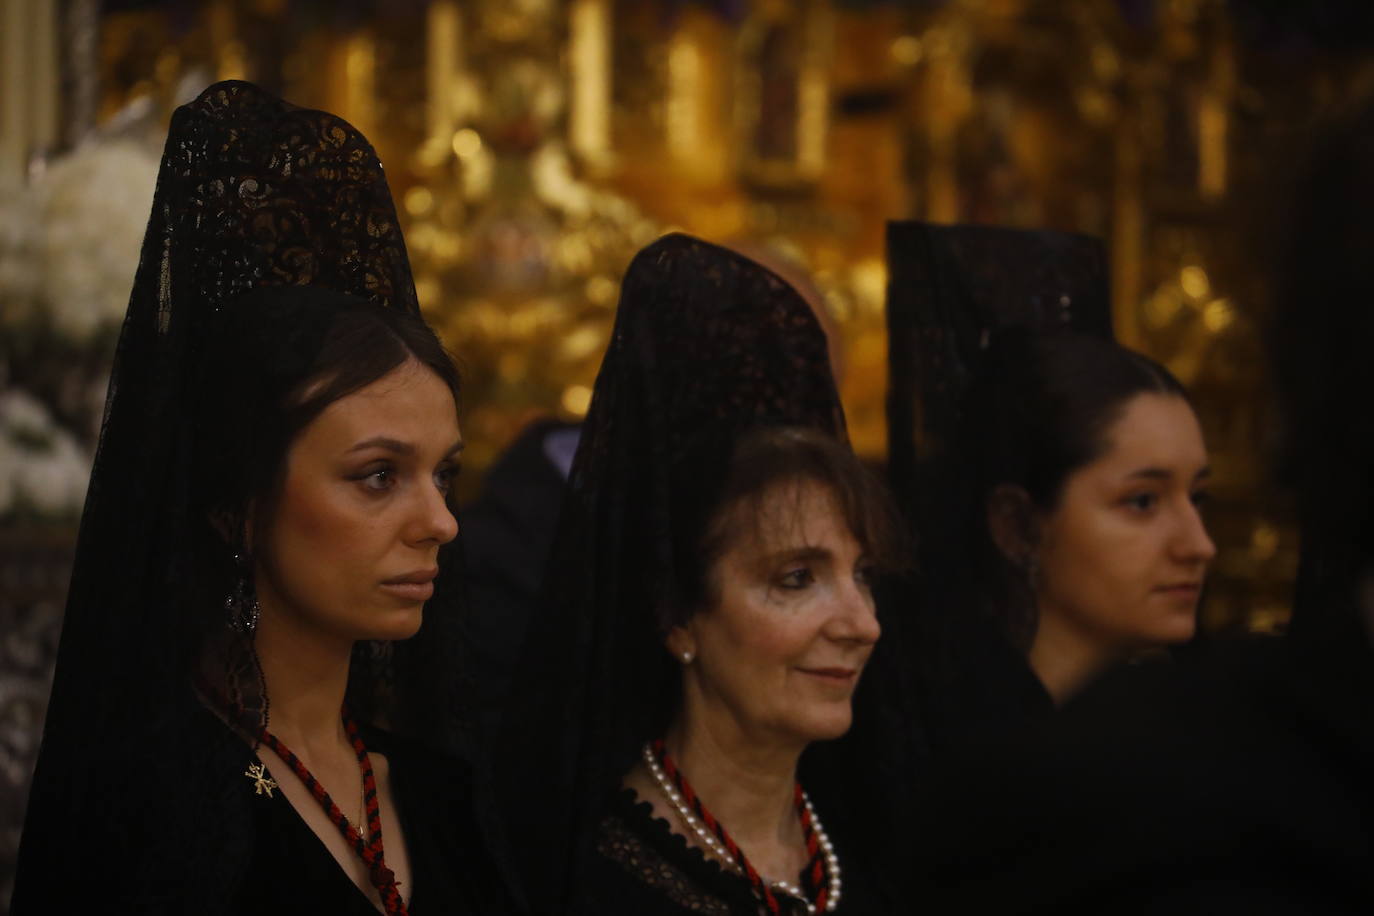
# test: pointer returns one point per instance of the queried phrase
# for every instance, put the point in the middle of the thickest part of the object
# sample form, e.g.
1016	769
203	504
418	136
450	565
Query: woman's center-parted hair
281	356
768	461
1041	406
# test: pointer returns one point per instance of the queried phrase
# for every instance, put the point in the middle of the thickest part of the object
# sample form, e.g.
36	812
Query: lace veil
950	290
253	193
707	344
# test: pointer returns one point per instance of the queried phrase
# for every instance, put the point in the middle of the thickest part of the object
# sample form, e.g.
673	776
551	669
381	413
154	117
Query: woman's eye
1201	497
378	480
1141	502
864	575
444	477
797	578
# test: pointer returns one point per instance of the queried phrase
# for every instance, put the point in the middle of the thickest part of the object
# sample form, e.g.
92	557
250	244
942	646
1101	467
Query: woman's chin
1175	629
827	725
393	625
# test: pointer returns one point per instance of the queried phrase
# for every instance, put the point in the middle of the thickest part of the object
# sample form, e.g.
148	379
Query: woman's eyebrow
1154	473
796	553
386	442
400	447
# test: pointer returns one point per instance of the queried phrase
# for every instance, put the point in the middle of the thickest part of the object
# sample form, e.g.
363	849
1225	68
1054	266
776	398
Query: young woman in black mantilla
1050	475
709	615
263	579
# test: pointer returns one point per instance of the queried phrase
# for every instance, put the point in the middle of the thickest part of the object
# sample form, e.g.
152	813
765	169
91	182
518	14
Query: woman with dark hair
260	584
1083	469
709	614
1237	780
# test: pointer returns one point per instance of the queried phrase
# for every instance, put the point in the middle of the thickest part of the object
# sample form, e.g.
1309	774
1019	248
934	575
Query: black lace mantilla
267	193
253	192
707	344
950	288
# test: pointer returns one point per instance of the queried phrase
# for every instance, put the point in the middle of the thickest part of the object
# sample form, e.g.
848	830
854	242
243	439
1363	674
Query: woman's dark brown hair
1038	409
764	459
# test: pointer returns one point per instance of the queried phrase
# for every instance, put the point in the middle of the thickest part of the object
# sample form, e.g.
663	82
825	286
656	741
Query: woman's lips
412	586
832	675
1181	589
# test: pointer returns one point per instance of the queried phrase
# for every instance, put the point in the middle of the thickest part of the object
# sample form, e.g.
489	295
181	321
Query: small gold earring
687	657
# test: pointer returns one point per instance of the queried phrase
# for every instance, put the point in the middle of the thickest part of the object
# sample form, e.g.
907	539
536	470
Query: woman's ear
681	644
234	528
1013	524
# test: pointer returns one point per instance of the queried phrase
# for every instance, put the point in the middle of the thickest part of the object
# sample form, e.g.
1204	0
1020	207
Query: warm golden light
907	50
576	399
1218	315
1163	307
1213	121
1264	541
813	92
443	33
1194	281
466	143
684	77
418	201
589	61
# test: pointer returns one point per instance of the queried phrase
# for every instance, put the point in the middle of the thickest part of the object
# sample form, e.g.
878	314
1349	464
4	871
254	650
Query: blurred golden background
534	145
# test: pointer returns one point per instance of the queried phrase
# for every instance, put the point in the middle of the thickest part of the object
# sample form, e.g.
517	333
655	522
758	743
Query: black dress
1236	780
291	871
643	866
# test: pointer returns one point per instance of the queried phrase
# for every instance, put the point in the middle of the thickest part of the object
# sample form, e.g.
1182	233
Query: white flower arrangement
69	247
93	208
21	268
43	471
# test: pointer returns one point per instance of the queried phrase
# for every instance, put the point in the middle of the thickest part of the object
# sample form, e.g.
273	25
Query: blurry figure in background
1084	466
508	531
709	615
1239	779
264	579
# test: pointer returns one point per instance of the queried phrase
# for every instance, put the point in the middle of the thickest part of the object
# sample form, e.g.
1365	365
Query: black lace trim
648	847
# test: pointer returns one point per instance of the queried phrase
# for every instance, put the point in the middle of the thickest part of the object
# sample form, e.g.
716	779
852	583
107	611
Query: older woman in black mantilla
260	582
709	614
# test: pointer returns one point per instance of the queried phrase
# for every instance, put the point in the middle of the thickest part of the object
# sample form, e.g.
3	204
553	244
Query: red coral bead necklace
370	849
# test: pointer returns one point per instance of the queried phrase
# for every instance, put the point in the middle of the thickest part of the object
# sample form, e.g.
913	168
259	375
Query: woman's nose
855	618
434	521
1192	543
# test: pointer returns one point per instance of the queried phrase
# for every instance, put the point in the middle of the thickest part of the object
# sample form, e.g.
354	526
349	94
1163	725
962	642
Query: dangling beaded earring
242	604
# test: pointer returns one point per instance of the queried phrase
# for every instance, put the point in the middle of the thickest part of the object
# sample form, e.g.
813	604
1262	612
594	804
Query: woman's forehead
1154	431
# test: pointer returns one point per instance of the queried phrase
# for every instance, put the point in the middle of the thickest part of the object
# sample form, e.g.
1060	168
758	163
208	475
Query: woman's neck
748	786
306	675
1065	657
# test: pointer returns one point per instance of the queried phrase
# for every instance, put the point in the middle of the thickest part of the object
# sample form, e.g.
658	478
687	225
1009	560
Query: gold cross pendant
263	783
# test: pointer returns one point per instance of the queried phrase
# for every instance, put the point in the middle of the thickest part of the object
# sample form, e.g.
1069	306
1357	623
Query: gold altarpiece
534	145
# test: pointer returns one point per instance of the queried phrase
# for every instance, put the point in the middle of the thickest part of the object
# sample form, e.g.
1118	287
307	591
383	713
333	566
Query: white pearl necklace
717	848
